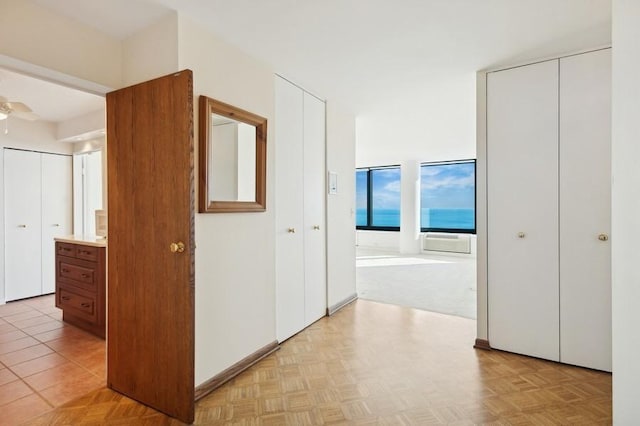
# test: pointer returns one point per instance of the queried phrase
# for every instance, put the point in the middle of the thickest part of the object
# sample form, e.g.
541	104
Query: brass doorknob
316	227
291	230
176	247
22	226
603	237
521	234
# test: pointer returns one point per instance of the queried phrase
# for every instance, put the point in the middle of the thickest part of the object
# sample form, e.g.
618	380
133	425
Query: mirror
233	155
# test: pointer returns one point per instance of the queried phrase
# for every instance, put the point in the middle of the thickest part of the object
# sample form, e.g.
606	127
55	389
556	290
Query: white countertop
88	240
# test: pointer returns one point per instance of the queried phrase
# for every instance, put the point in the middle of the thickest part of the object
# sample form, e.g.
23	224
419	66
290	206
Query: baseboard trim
482	344
237	368
335	308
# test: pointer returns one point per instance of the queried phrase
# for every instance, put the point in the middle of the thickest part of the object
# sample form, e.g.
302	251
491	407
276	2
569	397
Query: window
378	198
448	196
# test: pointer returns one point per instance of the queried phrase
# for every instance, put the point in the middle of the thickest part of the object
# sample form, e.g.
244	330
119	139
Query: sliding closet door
315	272
56	212
585	210
522	159
22	224
290	289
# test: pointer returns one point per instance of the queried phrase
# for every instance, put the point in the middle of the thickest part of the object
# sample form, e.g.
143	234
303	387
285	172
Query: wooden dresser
80	283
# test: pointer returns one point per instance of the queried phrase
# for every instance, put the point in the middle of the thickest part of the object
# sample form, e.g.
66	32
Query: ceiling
373	56
51	102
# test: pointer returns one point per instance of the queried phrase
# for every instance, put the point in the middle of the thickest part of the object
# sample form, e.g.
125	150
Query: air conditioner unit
452	243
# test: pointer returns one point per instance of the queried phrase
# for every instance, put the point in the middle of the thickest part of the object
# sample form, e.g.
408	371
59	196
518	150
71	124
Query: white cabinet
585	210
548	202
300	209
37	199
522	197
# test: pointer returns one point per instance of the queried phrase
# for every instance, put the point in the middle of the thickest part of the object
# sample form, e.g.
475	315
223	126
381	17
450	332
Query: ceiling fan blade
19	107
25	115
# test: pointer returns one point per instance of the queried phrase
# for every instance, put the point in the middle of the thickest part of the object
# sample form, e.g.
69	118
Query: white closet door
315	273
522	199
290	306
22	224
56	211
585	210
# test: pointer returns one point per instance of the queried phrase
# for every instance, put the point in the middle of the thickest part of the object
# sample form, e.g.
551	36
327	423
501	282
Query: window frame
369	226
475	197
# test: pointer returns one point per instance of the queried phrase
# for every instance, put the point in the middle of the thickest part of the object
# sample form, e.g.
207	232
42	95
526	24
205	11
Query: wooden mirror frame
208	106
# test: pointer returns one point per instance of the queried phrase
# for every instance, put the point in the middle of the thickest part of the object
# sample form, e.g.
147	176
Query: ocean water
430	218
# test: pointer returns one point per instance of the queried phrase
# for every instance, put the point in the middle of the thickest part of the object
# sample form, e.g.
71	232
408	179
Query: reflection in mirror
232	155
232	160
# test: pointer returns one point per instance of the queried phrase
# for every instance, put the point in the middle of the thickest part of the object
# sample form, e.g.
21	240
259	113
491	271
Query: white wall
152	52
235	259
30	135
33	34
235	304
439	128
481	209
625	231
387	240
341	269
90	123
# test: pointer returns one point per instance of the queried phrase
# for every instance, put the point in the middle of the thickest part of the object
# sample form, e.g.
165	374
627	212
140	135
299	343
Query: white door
585	210
315	273
23	241
56	211
522	202
290	292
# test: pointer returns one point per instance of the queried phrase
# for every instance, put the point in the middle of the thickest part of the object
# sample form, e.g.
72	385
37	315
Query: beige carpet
437	283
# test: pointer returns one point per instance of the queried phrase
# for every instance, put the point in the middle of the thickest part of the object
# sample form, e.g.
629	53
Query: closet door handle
603	237
291	230
521	235
316	227
22	226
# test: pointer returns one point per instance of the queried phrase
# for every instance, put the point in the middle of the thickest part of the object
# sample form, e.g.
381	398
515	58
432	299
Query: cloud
467	181
393	186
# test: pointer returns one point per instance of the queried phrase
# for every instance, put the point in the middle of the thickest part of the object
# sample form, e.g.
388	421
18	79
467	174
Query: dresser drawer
87	253
66	249
82	306
76	273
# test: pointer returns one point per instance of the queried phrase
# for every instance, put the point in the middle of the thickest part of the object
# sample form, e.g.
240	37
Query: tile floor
44	363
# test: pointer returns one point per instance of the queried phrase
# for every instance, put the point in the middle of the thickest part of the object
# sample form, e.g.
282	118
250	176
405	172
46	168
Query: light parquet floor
377	364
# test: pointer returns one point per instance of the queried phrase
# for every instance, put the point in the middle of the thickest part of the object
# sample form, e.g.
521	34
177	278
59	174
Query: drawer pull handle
85	305
85	276
65	271
85	252
65	298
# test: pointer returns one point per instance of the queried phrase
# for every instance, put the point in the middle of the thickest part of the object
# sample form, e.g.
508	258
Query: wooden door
150	334
289	221
522	209
585	210
315	266
56	212
23	245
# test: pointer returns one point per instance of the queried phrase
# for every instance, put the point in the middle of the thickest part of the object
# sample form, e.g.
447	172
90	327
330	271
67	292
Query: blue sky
448	186
386	188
